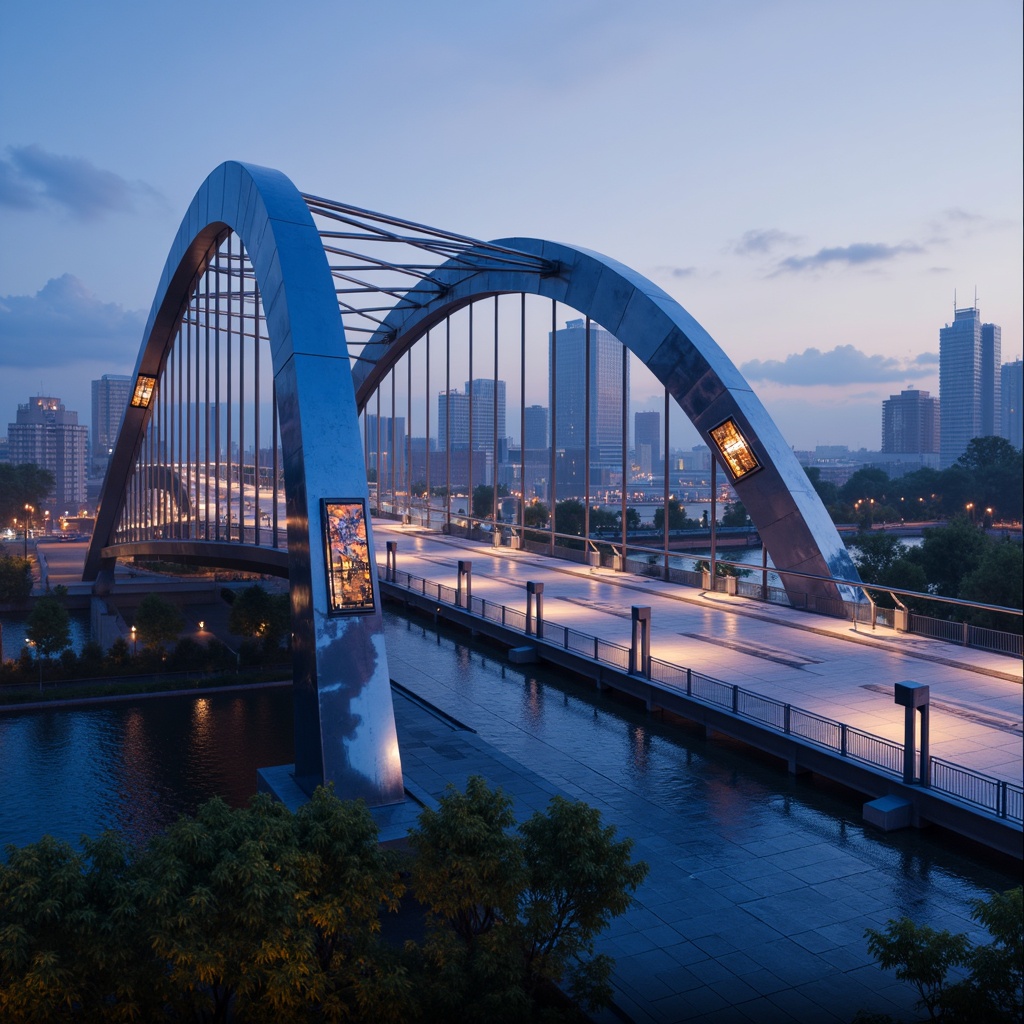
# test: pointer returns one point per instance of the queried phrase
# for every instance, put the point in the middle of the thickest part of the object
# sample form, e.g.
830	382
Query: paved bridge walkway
818	663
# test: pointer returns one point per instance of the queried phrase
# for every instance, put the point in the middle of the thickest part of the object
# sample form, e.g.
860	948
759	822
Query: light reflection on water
136	766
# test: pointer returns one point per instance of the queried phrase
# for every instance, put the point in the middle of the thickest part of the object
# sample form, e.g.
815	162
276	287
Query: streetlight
29	509
39	662
133	641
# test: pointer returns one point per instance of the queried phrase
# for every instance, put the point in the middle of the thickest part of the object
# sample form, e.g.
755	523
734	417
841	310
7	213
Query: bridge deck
821	664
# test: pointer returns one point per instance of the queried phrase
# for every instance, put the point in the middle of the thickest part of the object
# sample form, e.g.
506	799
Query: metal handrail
952	780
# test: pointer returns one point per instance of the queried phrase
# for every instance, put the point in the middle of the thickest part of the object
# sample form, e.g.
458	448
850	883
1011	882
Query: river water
135	766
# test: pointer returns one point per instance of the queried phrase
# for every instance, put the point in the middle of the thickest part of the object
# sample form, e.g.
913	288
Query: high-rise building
453	416
1012	384
48	435
910	422
110	395
536	438
969	382
567	387
487	393
647	442
386	435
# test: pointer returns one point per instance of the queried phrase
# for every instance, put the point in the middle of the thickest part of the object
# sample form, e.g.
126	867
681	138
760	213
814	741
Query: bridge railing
995	796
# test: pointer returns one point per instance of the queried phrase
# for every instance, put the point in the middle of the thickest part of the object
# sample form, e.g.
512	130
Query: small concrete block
522	655
888	813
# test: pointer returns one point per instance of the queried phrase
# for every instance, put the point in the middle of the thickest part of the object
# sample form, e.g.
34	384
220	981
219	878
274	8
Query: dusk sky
813	181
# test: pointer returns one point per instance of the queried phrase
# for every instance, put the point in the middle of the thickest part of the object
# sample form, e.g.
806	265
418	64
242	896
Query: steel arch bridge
228	461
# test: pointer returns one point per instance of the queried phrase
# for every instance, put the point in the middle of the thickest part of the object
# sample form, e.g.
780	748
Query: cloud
843	365
677	272
33	178
763	240
858	254
65	323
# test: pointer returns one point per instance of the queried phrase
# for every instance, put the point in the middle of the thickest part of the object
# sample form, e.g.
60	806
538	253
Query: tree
948	553
997	579
512	910
483	500
157	622
632	520
569	517
221	892
883	559
257	613
676	517
21	485
49	626
866	483
536	514
73	945
991	991
984	453
15	579
735	515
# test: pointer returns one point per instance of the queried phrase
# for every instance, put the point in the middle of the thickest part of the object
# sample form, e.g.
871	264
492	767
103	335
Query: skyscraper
567	388
910	423
536	438
1012	380
48	435
110	396
453	416
969	382
647	441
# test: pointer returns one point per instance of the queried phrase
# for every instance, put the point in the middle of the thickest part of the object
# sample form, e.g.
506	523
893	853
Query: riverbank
82	693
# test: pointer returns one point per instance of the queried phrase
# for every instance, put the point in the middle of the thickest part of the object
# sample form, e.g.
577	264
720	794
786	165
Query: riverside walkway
823	665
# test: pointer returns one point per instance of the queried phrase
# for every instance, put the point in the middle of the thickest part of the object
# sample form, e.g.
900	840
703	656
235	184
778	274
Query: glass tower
969	382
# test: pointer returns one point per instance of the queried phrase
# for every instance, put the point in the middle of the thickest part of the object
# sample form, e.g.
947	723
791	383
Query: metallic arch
344	720
708	387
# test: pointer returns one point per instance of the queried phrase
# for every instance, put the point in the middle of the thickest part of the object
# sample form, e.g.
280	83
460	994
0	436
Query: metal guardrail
996	796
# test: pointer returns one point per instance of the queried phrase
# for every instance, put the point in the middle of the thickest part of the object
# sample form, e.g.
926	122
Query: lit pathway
811	661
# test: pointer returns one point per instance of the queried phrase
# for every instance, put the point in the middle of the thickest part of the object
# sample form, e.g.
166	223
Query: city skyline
765	208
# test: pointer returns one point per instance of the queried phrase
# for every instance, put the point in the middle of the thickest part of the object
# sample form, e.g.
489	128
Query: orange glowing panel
143	394
735	451
347	552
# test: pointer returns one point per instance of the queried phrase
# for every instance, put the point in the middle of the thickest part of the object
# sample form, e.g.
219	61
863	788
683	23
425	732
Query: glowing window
736	452
347	553
143	394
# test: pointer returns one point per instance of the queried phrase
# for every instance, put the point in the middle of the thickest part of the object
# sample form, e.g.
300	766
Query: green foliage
21	485
632	519
570	517
990	988
15	578
998	578
883	559
49	626
72	945
536	514
949	552
677	519
257	613
864	484
735	515
511	910
157	622
256	914
483	500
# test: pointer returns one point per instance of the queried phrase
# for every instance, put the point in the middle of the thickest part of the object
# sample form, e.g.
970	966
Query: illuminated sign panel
143	393
347	554
735	451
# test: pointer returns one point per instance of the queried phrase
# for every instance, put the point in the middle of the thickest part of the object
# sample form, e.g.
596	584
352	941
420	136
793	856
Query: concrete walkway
818	663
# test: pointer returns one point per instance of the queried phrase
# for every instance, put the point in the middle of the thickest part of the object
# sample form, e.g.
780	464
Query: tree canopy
157	622
256	914
21	485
